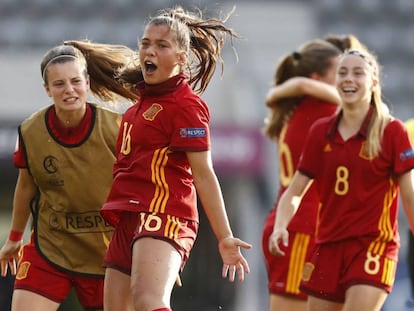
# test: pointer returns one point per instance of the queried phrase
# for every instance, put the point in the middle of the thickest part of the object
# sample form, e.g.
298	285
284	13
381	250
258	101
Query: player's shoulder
325	122
395	124
34	117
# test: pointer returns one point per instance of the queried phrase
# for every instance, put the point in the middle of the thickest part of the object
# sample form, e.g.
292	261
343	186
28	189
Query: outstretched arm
301	86
209	192
24	192
286	209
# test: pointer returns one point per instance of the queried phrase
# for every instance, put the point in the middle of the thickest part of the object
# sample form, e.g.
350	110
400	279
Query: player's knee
143	298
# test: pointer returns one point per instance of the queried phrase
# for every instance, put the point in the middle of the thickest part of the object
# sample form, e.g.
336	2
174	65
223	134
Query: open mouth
349	90
150	67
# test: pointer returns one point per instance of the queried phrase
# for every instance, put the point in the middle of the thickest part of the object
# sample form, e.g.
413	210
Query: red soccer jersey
359	195
152	172
290	145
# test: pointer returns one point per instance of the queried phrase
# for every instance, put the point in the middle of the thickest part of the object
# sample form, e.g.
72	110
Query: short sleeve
309	162
19	156
398	141
191	127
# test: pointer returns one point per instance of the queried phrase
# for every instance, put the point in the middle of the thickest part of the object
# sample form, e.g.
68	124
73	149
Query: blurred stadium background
244	160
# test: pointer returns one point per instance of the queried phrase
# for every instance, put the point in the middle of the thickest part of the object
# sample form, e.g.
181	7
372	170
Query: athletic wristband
15	236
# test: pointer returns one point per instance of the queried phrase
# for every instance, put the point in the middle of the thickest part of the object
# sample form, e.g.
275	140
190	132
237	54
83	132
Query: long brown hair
105	62
202	39
313	57
115	69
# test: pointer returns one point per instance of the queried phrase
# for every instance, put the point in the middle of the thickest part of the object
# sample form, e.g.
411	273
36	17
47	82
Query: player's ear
47	90
182	58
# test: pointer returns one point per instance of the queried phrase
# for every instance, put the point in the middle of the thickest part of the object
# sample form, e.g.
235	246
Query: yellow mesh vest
73	184
410	127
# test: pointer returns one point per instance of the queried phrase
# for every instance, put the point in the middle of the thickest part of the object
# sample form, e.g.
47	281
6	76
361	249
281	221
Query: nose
69	88
344	77
150	50
347	78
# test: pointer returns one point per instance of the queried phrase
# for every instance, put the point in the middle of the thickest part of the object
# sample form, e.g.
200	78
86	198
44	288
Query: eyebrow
156	40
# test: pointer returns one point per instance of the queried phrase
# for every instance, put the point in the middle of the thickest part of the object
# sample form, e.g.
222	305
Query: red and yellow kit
152	173
359	195
359	201
285	272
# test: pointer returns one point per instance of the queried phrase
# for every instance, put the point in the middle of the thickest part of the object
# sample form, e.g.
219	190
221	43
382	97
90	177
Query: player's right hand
9	255
278	236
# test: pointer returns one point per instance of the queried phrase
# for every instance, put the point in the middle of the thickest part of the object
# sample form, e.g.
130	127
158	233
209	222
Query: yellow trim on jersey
158	163
384	225
296	263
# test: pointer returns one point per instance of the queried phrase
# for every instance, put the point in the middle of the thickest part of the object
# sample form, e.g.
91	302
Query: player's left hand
233	260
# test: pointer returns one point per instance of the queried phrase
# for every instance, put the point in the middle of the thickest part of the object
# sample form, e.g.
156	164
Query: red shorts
37	275
285	272
336	266
180	233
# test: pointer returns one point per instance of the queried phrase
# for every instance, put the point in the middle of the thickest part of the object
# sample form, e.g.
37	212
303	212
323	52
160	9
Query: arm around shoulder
302	86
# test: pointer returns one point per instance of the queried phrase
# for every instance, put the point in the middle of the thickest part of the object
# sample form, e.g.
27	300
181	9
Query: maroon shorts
336	266
180	233
37	275
285	272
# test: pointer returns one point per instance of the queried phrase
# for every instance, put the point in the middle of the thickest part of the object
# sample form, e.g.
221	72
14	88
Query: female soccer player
303	92
65	156
163	160
360	159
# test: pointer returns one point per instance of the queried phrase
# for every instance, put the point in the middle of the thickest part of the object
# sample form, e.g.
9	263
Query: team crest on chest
327	148
152	112
363	153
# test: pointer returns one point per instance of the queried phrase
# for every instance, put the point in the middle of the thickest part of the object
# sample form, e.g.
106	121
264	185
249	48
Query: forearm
286	209
290	200
24	193
302	86
20	215
209	192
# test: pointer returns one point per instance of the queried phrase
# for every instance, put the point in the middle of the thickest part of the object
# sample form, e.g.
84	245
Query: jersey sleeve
398	139
19	156
309	162
191	127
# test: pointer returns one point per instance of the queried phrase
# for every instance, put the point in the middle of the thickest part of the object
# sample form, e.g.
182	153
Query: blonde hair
380	116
